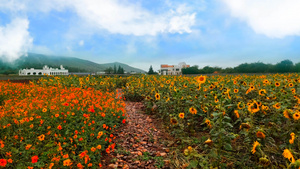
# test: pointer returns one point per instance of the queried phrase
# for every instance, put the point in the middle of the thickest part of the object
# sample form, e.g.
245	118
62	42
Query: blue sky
141	33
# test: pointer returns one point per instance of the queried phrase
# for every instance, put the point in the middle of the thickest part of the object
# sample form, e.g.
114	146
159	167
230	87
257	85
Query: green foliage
151	72
284	66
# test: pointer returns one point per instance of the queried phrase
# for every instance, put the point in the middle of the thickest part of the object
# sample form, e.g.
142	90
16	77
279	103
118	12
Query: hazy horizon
141	33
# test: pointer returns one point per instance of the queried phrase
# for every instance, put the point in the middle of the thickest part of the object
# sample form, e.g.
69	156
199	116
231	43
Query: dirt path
139	143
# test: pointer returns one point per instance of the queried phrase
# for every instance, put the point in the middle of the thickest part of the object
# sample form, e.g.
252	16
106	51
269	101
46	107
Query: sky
141	33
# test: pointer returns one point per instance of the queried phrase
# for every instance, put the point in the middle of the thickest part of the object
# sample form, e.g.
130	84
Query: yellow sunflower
201	79
181	115
157	96
296	116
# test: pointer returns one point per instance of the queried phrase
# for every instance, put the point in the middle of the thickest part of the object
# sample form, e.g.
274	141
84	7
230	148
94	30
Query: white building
45	71
172	69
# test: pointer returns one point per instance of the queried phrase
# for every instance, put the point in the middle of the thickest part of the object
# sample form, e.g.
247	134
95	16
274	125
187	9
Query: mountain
73	64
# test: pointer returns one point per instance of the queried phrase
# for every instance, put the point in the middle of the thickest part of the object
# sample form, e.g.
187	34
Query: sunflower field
56	126
229	121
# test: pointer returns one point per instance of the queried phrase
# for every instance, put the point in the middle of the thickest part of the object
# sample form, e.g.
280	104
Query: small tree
115	69
120	70
151	72
109	70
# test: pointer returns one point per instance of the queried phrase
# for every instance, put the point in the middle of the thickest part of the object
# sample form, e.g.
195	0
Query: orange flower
287	154
28	146
99	147
93	149
3	162
41	137
236	112
201	79
193	110
10	160
34	159
181	115
59	127
67	162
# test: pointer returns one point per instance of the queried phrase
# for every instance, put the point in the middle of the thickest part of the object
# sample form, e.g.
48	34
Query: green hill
73	64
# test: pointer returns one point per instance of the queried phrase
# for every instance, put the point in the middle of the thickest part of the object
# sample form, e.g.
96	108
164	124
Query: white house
172	69
45	71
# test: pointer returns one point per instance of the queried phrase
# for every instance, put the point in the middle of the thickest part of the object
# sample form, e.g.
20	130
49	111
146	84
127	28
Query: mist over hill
73	64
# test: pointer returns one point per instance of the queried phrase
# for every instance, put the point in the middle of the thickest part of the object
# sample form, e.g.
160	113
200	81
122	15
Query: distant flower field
235	120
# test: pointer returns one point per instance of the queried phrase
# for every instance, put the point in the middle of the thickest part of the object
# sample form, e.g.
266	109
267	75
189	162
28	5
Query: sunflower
253	107
260	134
277	84
291	85
208	123
193	110
240	105
262	92
292	138
208	141
236	90
201	79
276	106
157	96
181	115
236	112
287	154
255	144
245	125
44	110
87	79
286	113
296	116
173	121
216	100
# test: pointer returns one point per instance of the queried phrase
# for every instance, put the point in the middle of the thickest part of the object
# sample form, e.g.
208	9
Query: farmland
232	121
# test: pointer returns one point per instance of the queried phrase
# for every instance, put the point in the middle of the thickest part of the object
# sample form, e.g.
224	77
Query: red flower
59	127
124	120
34	159
3	162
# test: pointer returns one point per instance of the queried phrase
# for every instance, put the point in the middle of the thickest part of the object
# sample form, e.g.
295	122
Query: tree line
114	70
285	66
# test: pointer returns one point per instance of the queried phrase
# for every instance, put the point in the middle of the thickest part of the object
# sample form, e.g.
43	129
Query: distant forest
285	66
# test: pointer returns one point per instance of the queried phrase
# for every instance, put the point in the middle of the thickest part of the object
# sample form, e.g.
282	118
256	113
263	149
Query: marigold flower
287	154
28	146
67	162
59	127
99	147
193	110
93	149
10	160
34	159
255	144
41	137
3	162
44	110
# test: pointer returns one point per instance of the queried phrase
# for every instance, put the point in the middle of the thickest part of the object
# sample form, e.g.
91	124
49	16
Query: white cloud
81	43
114	16
15	39
273	18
